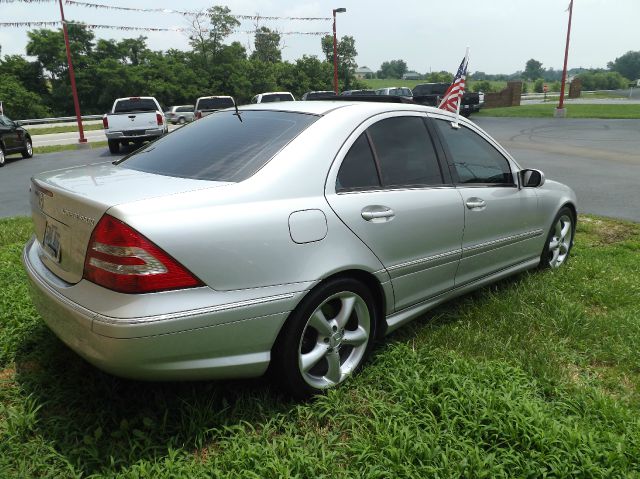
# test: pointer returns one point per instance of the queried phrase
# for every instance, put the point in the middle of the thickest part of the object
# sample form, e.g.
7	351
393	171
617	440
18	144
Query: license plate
52	241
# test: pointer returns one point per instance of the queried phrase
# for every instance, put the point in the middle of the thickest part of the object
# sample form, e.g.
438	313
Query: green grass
376	83
546	110
536	376
61	129
39	150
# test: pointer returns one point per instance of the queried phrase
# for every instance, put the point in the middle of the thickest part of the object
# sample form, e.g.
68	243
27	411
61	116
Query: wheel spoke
345	311
319	322
554	244
333	373
355	338
310	359
554	258
565	230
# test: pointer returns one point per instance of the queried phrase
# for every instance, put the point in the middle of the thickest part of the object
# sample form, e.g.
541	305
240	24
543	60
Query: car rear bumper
221	341
135	134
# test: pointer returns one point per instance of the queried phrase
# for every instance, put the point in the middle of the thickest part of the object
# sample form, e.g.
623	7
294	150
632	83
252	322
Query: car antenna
237	113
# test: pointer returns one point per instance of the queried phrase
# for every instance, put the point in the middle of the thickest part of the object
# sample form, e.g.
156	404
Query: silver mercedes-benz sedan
287	236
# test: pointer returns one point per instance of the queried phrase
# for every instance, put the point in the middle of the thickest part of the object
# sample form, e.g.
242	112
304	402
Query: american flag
456	90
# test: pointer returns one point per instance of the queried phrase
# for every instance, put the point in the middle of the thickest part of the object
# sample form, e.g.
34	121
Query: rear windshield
220	147
215	103
276	97
135	105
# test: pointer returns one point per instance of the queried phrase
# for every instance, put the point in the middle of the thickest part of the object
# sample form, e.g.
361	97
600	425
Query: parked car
205	105
317	95
13	139
432	93
357	92
135	120
180	114
273	96
395	91
289	235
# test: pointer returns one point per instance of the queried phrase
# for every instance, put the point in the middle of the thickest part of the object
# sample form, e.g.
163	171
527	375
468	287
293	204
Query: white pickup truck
134	119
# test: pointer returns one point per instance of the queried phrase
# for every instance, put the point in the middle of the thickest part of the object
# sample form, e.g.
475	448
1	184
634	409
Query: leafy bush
538	85
602	80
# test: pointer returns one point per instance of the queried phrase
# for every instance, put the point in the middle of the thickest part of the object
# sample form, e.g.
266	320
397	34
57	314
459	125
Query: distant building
411	76
364	72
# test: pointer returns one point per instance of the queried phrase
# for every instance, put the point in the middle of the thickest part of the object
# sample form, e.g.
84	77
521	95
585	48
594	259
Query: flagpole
461	92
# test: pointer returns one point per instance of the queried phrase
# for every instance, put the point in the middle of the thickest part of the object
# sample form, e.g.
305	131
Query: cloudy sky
427	34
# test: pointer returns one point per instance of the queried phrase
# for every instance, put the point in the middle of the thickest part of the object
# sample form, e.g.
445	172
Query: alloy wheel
560	241
334	340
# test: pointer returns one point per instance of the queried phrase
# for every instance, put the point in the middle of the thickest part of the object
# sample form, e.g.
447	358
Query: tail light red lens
105	122
159	119
121	259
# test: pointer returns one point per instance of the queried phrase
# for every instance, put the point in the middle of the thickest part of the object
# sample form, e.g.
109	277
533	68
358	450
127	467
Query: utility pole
335	50
561	112
82	140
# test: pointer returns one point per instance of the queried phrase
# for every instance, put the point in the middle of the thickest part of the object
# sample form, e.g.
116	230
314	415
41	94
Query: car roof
276	93
214	96
323	107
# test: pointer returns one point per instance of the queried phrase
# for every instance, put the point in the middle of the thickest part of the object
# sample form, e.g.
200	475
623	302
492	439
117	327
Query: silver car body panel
262	244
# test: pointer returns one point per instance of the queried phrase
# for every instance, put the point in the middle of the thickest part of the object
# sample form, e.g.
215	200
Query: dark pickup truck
431	94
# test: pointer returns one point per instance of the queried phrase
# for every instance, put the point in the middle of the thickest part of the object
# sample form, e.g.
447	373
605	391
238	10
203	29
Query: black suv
13	139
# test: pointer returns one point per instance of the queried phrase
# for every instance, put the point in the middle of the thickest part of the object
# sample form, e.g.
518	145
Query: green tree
29	74
267	46
346	53
19	103
439	77
533	70
392	69
628	65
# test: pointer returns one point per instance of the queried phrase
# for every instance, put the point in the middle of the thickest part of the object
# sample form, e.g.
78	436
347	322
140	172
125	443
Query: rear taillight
159	119
198	115
105	122
121	259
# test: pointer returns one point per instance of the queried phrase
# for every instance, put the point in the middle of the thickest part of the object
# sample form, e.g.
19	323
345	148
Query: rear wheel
181	120
2	157
28	148
559	240
326	338
114	146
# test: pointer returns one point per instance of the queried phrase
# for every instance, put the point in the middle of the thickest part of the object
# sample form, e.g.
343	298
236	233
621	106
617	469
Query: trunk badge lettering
79	217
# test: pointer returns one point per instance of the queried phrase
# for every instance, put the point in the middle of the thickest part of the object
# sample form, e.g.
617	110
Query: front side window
220	147
405	152
475	160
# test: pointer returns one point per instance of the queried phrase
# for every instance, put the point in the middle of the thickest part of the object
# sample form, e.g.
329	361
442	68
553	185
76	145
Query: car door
389	187
500	217
8	133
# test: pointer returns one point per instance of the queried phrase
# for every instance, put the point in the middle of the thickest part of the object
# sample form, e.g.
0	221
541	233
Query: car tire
28	148
559	240
181	120
326	338
3	159
114	146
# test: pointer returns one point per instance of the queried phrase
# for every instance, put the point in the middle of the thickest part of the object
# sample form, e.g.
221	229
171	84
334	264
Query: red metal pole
566	56
335	56
72	76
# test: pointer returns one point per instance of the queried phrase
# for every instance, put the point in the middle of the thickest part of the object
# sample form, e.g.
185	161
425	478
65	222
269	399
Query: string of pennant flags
126	28
103	6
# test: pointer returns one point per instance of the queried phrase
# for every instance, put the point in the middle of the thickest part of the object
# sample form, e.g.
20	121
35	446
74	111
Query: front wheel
114	146
559	240
27	152
326	339
2	157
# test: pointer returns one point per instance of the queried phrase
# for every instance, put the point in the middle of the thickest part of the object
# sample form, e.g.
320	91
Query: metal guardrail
62	119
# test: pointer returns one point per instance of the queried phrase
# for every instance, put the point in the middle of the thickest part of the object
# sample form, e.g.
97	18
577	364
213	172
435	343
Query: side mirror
17	123
531	178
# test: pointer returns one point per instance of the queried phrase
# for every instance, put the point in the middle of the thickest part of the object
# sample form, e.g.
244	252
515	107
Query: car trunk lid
67	204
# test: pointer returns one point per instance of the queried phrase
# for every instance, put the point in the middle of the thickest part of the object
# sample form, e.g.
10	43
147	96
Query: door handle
377	213
476	204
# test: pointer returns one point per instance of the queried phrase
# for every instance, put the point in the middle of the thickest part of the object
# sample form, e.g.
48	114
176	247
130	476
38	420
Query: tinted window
475	160
215	103
135	105
220	147
184	108
405	152
276	97
358	169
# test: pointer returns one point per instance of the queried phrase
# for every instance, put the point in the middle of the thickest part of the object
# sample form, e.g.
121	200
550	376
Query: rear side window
276	97
215	103
220	147
358	169
405	152
133	105
184	109
474	158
